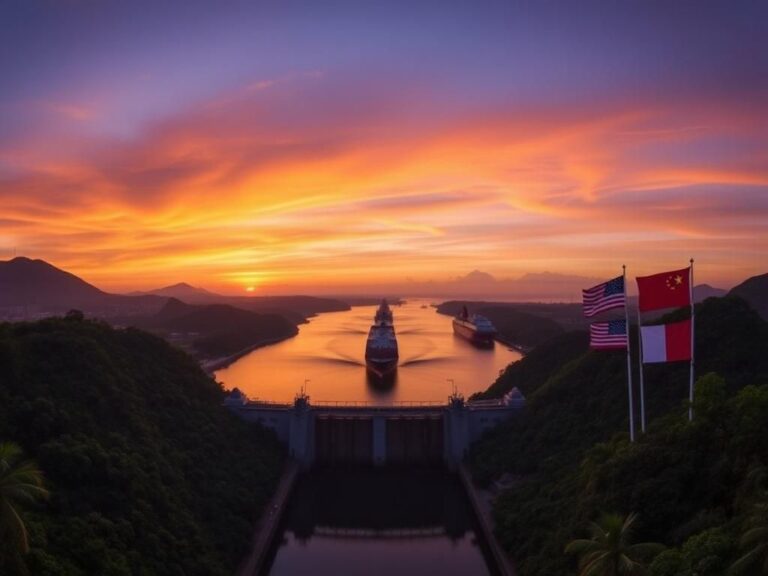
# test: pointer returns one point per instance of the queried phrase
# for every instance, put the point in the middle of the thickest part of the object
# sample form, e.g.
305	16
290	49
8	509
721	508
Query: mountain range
211	327
30	288
35	288
532	287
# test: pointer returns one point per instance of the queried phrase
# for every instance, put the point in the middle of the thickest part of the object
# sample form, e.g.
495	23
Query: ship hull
381	368
472	335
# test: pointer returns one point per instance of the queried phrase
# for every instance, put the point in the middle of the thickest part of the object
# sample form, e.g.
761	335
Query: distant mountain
555	278
538	287
704	291
296	308
755	291
40	289
25	282
476	276
184	292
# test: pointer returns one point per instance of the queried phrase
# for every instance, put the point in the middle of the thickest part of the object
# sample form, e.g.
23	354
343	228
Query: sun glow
292	178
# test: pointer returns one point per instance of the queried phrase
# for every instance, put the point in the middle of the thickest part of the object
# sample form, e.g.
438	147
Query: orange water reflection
329	352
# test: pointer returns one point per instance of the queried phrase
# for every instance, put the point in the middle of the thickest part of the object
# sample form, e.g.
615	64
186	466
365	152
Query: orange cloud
253	188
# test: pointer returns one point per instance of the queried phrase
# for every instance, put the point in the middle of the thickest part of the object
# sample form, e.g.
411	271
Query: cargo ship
381	354
475	328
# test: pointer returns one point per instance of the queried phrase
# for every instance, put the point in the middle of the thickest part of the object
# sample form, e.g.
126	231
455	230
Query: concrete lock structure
358	432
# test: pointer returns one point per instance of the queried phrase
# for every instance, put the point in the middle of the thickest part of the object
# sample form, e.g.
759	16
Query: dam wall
359	433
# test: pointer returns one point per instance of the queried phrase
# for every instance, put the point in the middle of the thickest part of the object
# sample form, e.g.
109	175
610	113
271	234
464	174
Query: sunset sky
288	147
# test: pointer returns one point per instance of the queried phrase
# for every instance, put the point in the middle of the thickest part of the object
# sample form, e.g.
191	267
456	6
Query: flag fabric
608	335
665	290
666	342
605	296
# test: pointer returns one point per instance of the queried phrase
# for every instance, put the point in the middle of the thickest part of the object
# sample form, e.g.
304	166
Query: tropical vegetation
148	473
699	488
610	551
21	484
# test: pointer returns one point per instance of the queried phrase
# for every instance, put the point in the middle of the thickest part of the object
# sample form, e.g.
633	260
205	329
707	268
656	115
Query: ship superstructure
381	353
475	328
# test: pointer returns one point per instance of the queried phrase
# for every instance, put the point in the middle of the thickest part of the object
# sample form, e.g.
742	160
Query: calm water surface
330	353
379	523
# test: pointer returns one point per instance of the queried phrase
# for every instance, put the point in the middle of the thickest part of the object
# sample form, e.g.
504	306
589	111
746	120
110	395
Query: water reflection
377	522
381	387
329	351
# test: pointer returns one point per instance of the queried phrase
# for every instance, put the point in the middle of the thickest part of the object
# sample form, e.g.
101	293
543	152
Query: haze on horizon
289	147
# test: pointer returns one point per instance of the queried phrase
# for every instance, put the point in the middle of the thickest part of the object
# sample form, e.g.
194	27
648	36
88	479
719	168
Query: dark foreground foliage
148	473
696	487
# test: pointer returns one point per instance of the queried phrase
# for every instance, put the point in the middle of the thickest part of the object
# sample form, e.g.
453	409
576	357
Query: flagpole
640	360
693	308
629	360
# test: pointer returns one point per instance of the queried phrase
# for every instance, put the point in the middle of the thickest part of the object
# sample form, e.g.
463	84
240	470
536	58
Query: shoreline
482	504
516	347
214	364
266	527
500	339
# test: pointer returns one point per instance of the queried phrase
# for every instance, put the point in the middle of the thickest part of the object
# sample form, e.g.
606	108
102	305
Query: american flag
605	296
608	335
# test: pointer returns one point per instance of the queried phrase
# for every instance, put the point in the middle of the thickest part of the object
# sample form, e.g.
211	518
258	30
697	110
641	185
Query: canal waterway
379	522
329	352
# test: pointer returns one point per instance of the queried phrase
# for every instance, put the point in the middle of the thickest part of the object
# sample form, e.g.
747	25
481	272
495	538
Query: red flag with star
665	290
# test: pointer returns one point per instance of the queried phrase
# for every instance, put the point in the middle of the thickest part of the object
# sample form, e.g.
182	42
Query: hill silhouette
296	308
41	288
216	330
524	325
755	291
703	291
35	282
38	288
182	291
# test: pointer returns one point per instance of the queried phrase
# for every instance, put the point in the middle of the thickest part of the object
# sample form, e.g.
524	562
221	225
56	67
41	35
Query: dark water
329	351
376	522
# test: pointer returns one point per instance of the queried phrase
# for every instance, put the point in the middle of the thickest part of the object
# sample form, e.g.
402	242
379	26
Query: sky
273	147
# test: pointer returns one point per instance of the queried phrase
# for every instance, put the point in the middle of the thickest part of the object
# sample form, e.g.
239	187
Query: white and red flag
666	342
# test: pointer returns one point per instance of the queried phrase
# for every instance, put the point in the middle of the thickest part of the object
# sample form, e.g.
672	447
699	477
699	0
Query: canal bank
482	504
211	365
371	521
268	524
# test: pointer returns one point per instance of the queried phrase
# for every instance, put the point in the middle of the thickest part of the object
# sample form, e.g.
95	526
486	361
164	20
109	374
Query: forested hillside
148	473
216	330
570	454
521	325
